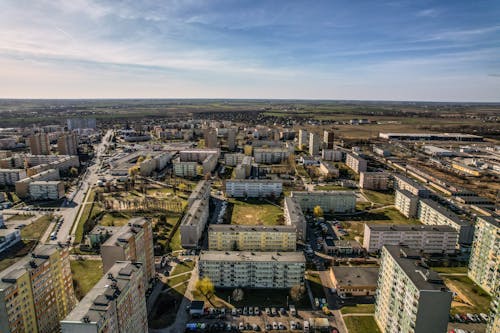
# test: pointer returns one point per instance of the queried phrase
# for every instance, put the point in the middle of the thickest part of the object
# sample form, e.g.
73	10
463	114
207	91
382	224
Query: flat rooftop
356	276
403	227
250	228
408	260
443	211
295	257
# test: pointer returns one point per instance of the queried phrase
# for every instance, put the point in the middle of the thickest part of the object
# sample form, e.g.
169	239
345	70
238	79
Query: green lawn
382	198
451	270
88	213
256	212
117	219
36	229
331	188
358	308
20	217
86	273
182	268
470	298
361	324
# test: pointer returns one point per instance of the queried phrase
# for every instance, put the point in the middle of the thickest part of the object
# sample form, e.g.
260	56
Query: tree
73	172
318	211
297	293
206	288
238	295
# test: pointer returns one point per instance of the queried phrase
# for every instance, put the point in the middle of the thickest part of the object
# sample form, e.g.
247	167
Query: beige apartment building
37	291
377	181
406	203
410	297
116	304
231	237
133	242
253	269
67	144
39	144
484	262
356	163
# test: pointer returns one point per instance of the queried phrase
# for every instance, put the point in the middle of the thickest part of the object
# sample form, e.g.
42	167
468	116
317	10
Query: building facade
116	304
377	181
252	269
314	144
67	144
484	262
410	298
406	203
404	183
329	201
356	163
39	144
255	188
227	237
328	138
271	155
46	190
427	238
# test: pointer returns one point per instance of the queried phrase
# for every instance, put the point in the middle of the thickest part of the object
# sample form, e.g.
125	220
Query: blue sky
447	50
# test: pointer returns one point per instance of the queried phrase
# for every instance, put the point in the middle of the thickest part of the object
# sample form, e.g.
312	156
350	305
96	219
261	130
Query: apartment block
253	188
46	190
303	138
231	139
271	155
427	238
377	181
331	155
116	304
9	177
329	201
432	213
328	171
81	123
328	138
356	163
484	262
195	219
185	169
295	217
39	144
230	237
253	269
404	183
8	237
37	291
23	185
133	242
210	136
410	297
494	315
406	203
233	159
67	144
314	144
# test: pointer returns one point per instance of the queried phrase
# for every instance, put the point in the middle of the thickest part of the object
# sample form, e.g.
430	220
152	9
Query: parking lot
255	319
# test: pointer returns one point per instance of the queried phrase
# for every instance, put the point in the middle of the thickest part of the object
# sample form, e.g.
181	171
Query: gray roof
408	260
295	257
443	211
403	227
356	276
491	220
243	228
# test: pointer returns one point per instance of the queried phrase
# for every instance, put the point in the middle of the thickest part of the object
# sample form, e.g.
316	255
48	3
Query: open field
255	212
36	229
86	273
116	219
361	324
470	297
382	198
358	308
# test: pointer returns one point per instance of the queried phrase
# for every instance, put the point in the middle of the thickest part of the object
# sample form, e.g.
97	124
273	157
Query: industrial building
232	269
431	137
410	297
427	238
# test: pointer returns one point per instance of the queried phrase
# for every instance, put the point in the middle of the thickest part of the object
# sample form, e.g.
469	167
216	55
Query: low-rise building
432	213
426	238
378	181
329	201
404	183
406	203
354	281
37	291
230	237
116	304
484	262
252	269
356	163
253	188
410	297
134	242
466	169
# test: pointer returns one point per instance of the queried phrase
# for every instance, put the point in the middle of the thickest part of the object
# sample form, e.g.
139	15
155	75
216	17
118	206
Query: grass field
86	273
451	270
358	308
330	188
255	212
89	212
382	198
470	298
20	217
36	229
361	324
117	219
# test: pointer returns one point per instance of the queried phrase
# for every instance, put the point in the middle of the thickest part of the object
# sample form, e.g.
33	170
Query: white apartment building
410	298
295	217
427	238
116	304
356	163
314	144
185	169
406	203
303	138
378	181
8	238
195	219
9	177
46	190
253	188
329	201
231	237
404	183
271	155
484	262
432	213
253	269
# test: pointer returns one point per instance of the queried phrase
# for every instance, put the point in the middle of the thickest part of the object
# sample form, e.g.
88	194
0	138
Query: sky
444	50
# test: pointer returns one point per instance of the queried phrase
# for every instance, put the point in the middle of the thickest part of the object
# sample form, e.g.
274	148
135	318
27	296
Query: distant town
249	215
